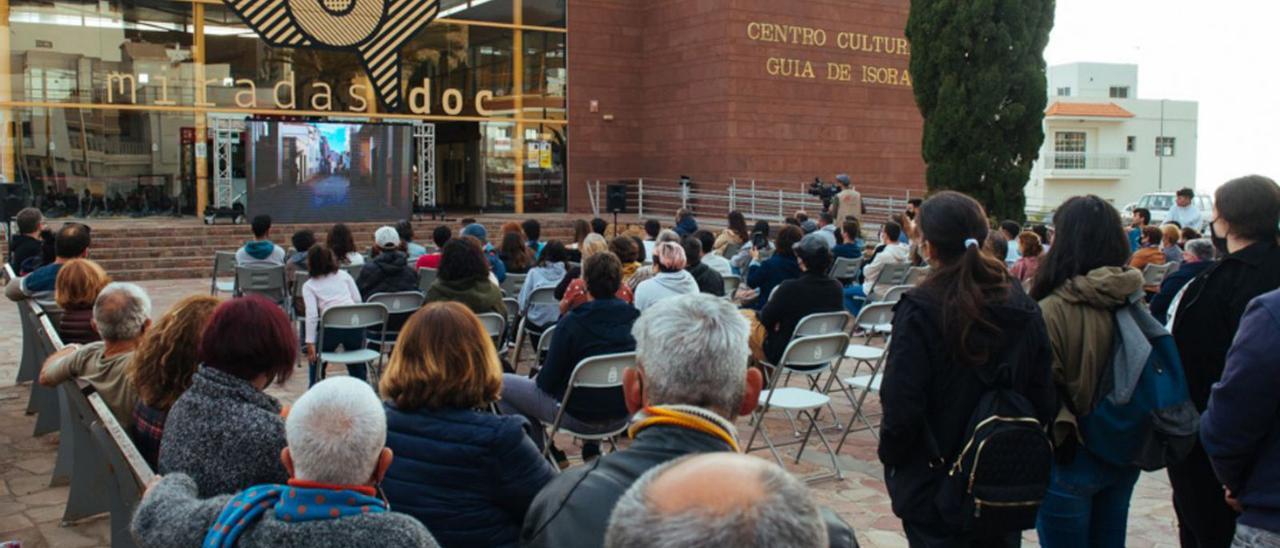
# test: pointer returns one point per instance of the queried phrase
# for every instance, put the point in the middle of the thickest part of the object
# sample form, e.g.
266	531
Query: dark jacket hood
391	261
607	319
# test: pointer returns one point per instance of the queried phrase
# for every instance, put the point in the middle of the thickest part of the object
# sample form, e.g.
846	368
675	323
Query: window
1069	148
1165	146
1064	92
1119	92
1131	144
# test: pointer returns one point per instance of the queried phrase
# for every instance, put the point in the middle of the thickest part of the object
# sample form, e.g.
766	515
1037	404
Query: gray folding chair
400	306
513	309
892	274
267	281
823	323
599	372
895	293
731	283
542	296
353	270
916	275
540	353
810	356
863	385
513	283
845	268
1154	274
224	264
875	319
495	325
352	316
426	277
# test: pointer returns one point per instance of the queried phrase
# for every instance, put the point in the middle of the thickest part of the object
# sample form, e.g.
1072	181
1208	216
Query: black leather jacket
573	510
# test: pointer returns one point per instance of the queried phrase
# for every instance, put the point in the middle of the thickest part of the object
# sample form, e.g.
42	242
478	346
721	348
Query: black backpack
996	483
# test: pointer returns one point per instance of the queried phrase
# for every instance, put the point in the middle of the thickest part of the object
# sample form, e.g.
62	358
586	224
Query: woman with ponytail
968	320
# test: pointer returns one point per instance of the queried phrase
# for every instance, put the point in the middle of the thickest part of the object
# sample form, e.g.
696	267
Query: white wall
1093	80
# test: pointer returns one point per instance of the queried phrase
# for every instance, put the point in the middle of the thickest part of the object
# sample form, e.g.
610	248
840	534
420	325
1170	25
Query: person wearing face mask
1204	321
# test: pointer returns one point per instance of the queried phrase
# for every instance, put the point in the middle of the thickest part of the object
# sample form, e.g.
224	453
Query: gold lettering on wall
793	66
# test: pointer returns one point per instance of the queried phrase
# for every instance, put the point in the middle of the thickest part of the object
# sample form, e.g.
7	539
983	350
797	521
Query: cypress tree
979	79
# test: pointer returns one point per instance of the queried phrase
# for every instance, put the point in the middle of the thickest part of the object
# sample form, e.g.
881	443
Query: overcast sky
1223	54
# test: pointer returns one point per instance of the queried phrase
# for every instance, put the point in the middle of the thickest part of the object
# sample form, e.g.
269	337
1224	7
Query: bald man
716	499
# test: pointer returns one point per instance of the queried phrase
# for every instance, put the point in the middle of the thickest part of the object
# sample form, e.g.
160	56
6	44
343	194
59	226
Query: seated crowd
448	446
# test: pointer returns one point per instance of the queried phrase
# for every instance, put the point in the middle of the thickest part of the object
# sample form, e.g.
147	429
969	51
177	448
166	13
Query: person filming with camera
848	203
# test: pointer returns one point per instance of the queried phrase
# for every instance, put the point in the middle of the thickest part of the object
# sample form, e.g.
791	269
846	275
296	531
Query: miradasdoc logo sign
373	29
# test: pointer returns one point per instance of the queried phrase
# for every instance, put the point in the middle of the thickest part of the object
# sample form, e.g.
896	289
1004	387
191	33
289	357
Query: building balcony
1084	166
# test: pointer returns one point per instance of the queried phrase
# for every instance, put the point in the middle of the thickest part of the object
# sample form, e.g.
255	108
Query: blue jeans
1087	505
348	339
854	298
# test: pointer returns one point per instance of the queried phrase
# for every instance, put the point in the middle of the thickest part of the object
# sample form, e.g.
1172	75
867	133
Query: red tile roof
1087	110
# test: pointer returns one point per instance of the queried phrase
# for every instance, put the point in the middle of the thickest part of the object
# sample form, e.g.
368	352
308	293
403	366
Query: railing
1085	162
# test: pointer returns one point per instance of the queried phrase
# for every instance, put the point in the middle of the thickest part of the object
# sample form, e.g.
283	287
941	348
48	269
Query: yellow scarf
661	415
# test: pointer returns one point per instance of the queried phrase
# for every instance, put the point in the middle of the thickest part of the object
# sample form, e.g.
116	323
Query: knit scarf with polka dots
296	502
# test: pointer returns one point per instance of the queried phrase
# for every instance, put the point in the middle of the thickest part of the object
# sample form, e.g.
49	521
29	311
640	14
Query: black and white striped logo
373	29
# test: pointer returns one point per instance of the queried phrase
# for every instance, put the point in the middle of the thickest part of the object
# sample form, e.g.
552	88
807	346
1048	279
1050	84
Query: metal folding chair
540	353
875	319
822	323
892	274
267	281
426	277
845	268
731	283
895	293
495	325
916	275
1154	274
400	306
542	296
599	372
353	270
810	356
864	385
224	264
513	283
352	316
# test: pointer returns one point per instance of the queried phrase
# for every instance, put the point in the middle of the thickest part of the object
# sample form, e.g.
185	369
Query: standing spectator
848	204
782	266
934	377
651	230
717	499
686	224
1141	218
811	293
1239	429
343	246
533	231
1045	234
671	279
1197	258
913	207
599	226
72	242
690	382
1184	213
550	270
1011	230
224	431
122	314
260	251
477	231
26	244
732	237
515	253
852	245
464	278
388	271
1169	244
1080	284
600	326
329	286
78	285
710	258
627	248
440	236
708	280
1030	251
414	249
467	474
336	458
893	253
302	241
162	367
1244	229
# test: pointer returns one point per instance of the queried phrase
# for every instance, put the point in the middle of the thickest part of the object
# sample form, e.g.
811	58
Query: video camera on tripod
823	191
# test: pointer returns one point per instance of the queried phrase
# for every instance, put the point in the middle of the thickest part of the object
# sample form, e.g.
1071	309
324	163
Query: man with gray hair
716	499
121	315
1197	257
336	456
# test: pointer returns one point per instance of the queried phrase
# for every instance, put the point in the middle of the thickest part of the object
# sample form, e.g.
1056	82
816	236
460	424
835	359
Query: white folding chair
295	292
1154	274
875	319
495	325
823	323
809	356
224	264
513	309
267	281
598	372
353	270
352	316
731	283
542	296
892	274
540	353
400	306
513	283
916	275
895	293
426	277
864	385
845	268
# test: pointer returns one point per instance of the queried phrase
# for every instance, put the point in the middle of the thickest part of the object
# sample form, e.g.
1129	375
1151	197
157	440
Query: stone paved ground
30	510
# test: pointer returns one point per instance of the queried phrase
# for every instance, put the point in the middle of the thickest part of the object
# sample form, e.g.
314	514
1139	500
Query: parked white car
1159	204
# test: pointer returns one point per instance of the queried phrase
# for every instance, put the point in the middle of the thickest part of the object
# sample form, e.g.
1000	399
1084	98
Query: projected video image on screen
329	172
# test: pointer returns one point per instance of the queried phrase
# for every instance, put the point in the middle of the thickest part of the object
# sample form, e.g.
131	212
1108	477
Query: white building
1100	138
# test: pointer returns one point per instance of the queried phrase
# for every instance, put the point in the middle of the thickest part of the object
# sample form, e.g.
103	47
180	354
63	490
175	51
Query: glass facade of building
111	102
